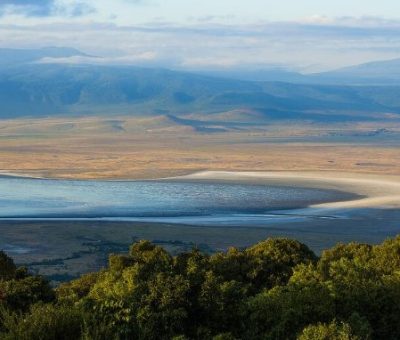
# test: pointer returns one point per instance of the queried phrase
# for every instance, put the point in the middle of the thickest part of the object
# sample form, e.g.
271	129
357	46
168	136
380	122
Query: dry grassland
139	148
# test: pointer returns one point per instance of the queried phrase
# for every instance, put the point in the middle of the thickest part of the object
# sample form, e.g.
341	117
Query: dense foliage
277	289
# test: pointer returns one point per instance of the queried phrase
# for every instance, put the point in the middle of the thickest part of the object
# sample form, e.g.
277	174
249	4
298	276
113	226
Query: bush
332	331
43	321
277	289
7	267
19	295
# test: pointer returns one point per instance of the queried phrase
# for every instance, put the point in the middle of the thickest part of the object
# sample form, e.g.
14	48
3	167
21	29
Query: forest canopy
276	289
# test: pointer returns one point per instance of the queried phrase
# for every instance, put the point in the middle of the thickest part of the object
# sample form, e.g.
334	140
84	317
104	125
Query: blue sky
304	35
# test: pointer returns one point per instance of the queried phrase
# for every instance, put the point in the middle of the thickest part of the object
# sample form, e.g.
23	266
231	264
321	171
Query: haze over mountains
29	87
378	72
374	73
10	57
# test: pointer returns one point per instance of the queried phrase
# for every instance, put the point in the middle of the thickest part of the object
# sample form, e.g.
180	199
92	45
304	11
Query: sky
306	36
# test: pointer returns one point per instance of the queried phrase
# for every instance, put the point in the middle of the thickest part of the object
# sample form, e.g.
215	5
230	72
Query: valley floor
146	148
62	249
65	249
359	158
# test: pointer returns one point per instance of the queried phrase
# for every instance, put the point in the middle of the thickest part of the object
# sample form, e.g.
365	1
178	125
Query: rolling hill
50	89
30	88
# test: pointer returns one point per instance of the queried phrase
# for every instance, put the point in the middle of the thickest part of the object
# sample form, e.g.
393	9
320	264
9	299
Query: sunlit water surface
152	200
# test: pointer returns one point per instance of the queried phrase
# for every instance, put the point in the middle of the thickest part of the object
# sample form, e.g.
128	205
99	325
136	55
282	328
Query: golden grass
151	148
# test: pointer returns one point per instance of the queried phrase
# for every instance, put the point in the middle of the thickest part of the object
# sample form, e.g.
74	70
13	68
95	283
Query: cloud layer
308	44
45	8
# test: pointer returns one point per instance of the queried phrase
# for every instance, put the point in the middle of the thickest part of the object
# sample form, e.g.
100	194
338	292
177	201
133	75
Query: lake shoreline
372	190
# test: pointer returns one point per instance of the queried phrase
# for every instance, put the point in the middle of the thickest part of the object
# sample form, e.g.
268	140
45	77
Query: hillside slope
43	89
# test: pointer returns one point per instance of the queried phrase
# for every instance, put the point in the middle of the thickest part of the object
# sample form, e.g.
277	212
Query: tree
332	331
19	295
75	290
274	259
163	311
387	256
283	311
150	258
7	267
276	289
233	265
223	304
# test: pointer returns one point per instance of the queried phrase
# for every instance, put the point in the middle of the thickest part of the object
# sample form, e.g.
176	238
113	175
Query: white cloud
348	21
310	44
137	59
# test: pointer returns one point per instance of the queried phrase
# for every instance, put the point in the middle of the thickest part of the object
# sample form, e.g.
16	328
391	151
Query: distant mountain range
11	57
373	73
28	88
376	73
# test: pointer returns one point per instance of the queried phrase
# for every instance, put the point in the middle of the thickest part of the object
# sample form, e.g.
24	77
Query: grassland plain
154	147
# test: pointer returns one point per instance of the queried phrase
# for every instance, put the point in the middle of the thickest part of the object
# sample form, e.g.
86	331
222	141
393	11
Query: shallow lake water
36	198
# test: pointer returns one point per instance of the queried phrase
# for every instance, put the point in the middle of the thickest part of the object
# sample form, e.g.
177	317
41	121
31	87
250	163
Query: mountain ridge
46	89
